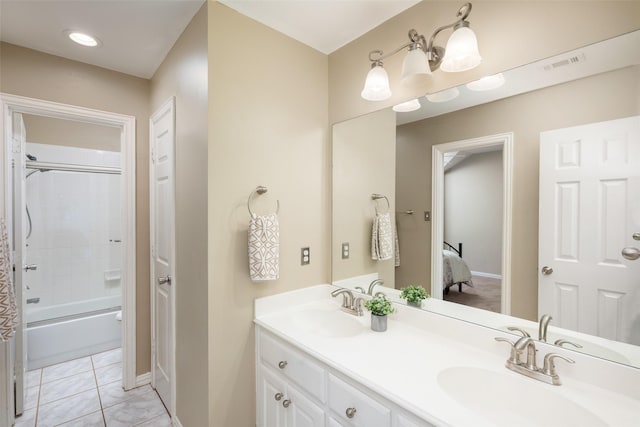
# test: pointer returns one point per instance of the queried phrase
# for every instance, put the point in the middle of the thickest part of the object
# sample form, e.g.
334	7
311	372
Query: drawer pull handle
286	403
282	364
351	412
278	396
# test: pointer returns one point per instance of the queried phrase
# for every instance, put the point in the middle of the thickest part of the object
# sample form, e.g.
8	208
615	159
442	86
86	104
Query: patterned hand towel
264	247
382	238
8	308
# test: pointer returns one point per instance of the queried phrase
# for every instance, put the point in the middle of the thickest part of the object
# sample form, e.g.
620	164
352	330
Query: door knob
163	280
32	267
631	254
546	270
636	236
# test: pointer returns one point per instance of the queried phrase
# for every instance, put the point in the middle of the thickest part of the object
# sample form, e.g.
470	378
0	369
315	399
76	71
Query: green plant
380	306
414	293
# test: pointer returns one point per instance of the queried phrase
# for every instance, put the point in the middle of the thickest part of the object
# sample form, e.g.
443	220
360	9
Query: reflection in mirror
598	83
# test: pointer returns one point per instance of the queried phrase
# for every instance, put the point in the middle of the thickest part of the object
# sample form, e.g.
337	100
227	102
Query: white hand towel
8	308
382	238
264	247
396	245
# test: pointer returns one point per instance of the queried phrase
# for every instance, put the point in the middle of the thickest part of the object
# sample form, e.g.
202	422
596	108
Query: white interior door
19	256
589	211
162	252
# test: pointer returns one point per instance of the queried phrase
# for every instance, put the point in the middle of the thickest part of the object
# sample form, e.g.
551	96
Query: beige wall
364	154
267	126
29	73
414	233
604	97
183	74
46	130
510	33
473	210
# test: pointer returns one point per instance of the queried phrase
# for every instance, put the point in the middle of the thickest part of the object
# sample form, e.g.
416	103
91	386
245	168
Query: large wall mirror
534	185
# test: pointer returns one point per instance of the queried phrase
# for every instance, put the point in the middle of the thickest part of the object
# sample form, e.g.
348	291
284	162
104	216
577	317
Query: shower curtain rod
72	167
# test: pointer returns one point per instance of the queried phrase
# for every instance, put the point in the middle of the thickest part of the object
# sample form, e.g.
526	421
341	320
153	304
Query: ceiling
136	35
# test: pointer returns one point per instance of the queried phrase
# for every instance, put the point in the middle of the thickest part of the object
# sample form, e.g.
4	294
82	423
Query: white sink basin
328	323
510	401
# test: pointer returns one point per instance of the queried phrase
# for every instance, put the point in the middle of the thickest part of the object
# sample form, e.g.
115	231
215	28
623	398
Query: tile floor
88	392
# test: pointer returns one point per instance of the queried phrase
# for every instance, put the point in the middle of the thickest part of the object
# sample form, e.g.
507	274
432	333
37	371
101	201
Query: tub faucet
542	327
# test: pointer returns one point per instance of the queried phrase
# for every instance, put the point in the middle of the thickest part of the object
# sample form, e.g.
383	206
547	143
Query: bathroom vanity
319	366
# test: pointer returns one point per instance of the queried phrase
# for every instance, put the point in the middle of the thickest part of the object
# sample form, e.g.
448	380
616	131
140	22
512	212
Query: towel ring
260	190
376	196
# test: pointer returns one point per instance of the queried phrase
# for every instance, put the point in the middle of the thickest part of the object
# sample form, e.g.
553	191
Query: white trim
127	124
488	275
176	422
143	379
437	206
168	107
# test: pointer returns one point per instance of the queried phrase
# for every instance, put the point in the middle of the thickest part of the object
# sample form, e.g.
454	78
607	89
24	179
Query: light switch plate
345	250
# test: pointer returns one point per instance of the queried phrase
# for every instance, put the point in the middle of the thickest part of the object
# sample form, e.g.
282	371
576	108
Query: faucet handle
380	294
360	289
560	342
516	329
515	354
358	306
549	367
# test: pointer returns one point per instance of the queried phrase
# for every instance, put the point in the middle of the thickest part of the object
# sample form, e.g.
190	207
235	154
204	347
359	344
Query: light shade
487	83
83	39
405	107
461	53
444	95
376	87
415	65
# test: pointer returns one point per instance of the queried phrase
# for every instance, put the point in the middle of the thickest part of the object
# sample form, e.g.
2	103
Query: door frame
167	107
437	205
127	125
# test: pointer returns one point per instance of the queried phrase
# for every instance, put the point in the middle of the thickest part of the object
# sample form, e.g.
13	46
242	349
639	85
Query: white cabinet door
271	395
301	411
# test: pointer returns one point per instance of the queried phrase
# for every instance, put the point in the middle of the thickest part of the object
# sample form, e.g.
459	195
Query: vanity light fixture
405	107
487	83
82	38
461	54
443	95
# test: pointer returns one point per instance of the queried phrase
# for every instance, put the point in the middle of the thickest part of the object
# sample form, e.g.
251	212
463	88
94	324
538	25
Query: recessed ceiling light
82	38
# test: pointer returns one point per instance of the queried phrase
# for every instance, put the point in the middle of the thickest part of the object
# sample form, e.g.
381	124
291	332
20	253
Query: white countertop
403	363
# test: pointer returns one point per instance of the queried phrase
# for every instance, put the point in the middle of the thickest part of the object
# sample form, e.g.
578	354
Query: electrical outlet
305	256
345	250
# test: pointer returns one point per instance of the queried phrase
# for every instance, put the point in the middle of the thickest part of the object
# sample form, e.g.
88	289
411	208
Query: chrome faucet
542	327
529	368
350	304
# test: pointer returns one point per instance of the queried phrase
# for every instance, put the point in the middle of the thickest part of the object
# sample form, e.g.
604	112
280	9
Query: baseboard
489	275
176	422
143	379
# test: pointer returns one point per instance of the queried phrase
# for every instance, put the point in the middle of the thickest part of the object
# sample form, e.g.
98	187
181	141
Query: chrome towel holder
260	190
376	197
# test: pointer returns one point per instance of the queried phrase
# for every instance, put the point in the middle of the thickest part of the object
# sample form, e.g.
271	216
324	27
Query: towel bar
260	190
376	196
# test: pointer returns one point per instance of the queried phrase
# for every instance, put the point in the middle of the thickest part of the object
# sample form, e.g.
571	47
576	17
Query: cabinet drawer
365	411
293	365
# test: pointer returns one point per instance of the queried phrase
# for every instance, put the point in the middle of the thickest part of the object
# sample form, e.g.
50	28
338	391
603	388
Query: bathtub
66	338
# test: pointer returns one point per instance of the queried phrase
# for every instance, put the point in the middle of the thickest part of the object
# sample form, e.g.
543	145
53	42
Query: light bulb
415	65
461	53
376	87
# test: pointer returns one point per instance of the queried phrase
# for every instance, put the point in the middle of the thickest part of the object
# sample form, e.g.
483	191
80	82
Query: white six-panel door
589	210
162	252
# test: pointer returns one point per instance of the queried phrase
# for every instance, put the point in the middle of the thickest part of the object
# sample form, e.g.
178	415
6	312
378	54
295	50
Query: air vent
576	59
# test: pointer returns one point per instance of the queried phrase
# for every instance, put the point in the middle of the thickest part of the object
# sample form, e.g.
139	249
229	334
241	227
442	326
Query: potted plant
414	295
379	306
